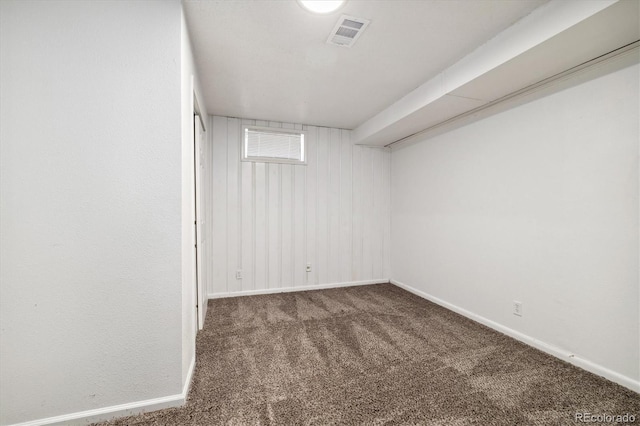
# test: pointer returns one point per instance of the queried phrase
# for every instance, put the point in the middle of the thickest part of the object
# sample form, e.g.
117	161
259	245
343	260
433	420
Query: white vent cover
265	144
347	31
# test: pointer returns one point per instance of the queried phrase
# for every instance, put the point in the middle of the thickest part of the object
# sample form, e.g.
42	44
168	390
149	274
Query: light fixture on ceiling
322	6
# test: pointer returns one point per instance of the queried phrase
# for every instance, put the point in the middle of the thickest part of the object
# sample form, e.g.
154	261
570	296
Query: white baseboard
290	289
108	413
562	354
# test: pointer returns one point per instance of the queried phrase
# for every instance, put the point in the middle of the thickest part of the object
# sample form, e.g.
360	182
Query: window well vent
347	31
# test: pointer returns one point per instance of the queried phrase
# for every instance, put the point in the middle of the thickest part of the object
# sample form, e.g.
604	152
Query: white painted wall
90	303
538	203
270	220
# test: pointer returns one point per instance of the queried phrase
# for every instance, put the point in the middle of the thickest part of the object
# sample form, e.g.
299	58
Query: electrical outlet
239	274
517	308
308	267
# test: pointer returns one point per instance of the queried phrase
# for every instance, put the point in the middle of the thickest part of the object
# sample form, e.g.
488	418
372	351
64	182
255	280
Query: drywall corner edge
129	409
555	351
292	289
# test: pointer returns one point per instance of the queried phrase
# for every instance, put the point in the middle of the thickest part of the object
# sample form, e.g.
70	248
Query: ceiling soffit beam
541	25
620	58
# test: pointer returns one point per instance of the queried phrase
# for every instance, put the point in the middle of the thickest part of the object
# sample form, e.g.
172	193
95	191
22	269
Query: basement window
273	145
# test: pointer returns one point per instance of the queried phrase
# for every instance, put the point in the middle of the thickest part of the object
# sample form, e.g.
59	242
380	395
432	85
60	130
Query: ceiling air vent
347	31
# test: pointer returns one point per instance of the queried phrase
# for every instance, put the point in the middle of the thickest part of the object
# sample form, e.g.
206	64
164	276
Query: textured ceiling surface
269	60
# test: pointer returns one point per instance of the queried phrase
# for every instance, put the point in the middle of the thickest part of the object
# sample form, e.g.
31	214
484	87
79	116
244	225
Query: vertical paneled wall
271	220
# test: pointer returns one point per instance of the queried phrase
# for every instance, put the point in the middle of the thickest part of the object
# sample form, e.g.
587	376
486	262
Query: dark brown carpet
374	355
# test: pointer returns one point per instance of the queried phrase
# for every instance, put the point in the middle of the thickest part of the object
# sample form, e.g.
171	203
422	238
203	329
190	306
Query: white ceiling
268	60
556	39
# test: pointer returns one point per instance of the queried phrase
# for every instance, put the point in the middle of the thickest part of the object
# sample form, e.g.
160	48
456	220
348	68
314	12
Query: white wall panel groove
270	220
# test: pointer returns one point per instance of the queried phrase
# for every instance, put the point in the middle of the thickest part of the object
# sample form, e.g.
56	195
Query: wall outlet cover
517	308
